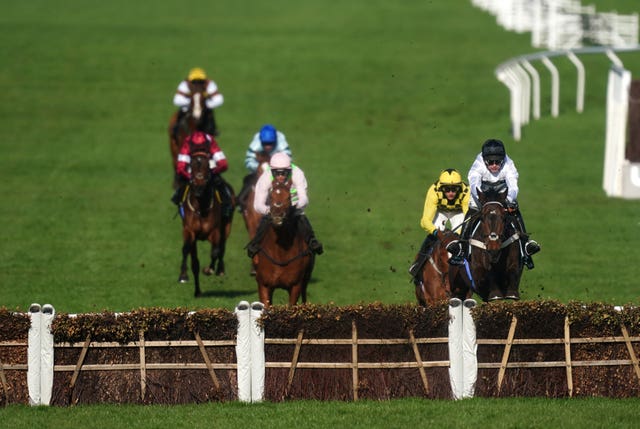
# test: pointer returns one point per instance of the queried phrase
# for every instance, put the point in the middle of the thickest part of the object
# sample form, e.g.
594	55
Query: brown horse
435	284
250	215
494	268
202	220
191	121
284	260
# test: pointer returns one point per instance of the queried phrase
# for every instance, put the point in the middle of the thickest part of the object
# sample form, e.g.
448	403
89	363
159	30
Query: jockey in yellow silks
445	206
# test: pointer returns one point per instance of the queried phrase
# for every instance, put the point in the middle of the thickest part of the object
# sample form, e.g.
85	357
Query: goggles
282	172
450	188
493	162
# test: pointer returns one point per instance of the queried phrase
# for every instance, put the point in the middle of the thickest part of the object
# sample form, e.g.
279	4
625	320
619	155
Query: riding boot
225	197
425	250
178	195
254	245
309	235
530	247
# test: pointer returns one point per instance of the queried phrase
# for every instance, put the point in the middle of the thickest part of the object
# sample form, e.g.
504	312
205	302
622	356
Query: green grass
473	413
375	97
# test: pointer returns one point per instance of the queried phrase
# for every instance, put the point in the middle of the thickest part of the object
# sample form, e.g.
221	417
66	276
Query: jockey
281	168
201	142
197	81
265	143
447	201
493	165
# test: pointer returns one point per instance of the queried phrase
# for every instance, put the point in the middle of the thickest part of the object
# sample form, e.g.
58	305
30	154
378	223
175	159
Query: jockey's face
268	147
450	192
282	175
494	165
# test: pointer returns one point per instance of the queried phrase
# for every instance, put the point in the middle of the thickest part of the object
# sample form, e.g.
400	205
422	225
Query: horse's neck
205	200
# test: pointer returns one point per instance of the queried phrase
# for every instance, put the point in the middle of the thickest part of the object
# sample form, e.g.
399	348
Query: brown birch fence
567	361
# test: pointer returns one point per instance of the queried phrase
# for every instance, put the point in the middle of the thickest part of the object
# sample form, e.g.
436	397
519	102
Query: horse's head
200	172
492	227
279	201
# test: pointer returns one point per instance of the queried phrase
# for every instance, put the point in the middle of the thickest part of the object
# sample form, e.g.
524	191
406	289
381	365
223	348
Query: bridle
493	238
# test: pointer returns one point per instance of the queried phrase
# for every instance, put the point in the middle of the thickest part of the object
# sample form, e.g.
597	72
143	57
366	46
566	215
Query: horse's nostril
493	236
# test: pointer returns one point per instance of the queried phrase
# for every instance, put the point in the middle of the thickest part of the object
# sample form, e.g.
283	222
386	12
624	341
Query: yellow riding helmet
450	177
197	74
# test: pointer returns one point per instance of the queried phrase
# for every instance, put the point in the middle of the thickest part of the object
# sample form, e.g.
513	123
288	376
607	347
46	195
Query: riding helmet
197	74
450	176
198	137
279	161
493	149
268	134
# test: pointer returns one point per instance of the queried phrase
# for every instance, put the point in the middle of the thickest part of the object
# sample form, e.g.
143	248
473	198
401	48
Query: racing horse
192	120
249	214
435	285
495	265
202	219
284	260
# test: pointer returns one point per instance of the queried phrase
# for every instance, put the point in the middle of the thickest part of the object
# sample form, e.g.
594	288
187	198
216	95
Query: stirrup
455	248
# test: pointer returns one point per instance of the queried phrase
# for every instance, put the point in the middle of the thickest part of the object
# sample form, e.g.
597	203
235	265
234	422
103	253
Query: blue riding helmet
268	135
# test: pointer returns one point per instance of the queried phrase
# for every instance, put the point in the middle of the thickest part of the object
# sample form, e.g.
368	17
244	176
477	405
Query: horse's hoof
470	303
495	297
183	279
207	271
515	296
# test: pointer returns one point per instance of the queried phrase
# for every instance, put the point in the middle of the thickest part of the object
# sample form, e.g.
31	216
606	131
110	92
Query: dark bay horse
192	120
284	260
435	284
202	220
495	263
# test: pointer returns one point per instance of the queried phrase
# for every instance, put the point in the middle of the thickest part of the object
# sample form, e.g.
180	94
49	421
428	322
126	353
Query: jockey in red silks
202	142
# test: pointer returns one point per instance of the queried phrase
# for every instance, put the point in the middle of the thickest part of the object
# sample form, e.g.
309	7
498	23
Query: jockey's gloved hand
435	233
512	206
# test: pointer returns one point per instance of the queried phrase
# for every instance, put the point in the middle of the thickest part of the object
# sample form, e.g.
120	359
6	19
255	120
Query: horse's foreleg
265	295
195	268
186	249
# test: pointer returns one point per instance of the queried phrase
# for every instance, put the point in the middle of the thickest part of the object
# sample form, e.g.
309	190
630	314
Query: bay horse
284	260
192	120
249	214
436	285
201	215
495	263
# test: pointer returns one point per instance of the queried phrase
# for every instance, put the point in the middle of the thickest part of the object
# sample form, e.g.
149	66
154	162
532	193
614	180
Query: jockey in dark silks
492	167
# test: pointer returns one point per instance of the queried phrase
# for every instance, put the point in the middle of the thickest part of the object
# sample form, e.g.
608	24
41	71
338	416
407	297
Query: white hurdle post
243	351
33	354
257	353
250	352
40	354
463	363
